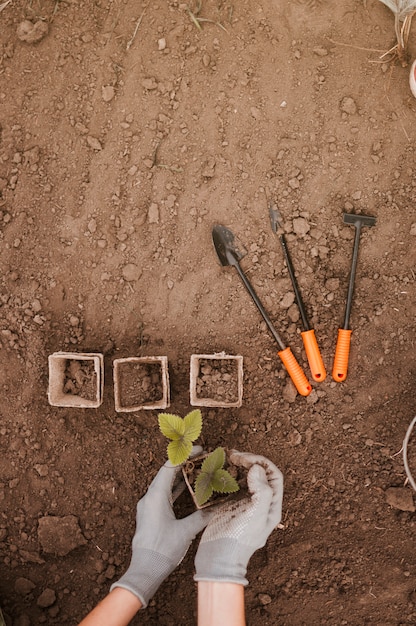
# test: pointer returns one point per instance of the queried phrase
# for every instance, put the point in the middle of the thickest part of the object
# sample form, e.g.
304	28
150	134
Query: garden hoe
340	368
229	254
313	353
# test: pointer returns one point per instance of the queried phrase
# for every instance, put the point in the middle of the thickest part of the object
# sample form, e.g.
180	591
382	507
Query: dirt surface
126	133
218	380
80	379
140	383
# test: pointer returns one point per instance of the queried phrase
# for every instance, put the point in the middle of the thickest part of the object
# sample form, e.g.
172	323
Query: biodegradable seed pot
216	380
76	379
141	383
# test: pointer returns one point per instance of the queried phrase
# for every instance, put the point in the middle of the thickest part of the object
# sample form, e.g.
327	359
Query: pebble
287	300
32	32
36	306
161	44
74	320
153	213
107	93
60	535
400	498
264	598
94	143
92	225
413	229
320	52
332	284
300	226
24	586
131	272
348	106
208	170
289	392
149	83
42	470
46	598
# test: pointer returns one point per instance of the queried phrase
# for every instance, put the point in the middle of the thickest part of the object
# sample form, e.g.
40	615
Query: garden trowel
230	253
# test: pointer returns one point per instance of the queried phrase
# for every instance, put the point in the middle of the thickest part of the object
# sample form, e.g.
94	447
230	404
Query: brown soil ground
126	133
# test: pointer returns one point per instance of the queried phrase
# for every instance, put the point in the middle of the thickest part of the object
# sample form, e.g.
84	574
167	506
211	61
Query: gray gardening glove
238	529
160	541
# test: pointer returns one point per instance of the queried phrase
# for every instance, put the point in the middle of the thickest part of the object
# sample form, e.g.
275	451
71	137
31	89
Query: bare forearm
117	609
220	603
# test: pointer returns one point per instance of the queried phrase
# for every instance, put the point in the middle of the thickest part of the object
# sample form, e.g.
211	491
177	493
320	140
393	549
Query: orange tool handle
295	372
339	371
315	361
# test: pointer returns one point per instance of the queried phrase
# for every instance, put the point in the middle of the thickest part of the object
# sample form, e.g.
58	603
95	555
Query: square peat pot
141	383
76	379
216	380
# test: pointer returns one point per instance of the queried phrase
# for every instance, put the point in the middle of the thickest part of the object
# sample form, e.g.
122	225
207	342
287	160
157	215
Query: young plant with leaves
182	432
212	476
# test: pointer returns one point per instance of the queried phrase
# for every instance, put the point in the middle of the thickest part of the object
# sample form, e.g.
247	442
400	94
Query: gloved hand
238	529
160	541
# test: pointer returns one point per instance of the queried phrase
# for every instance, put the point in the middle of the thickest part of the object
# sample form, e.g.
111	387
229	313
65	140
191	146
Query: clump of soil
218	380
140	384
80	379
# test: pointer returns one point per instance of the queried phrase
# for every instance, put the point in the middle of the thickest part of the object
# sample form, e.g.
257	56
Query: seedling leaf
172	426
203	488
182	433
214	478
179	450
193	424
223	482
214	461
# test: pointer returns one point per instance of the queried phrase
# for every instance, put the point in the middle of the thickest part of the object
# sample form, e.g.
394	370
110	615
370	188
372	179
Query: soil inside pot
140	383
218	380
80	379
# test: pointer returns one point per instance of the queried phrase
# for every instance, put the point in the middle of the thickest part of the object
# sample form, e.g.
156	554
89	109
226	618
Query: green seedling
212	476
182	432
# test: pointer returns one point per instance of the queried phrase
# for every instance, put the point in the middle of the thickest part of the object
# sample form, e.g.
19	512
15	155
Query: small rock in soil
400	498
348	106
208	169
264	598
153	214
32	33
46	598
301	226
289	392
94	143
60	535
23	586
287	300
107	93
42	470
131	272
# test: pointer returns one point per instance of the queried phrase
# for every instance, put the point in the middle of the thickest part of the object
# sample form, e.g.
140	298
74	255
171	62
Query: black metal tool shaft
298	296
